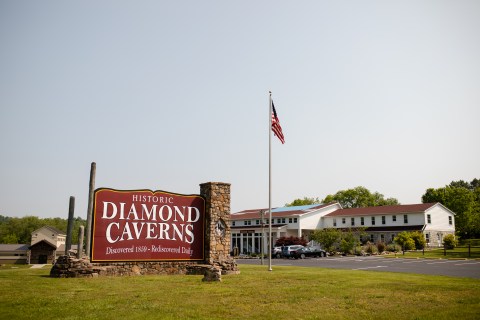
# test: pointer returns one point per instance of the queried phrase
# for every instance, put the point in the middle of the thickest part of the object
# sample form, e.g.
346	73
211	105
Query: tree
463	199
327	238
303	202
404	240
19	230
359	197
350	238
346	246
419	240
288	241
10	239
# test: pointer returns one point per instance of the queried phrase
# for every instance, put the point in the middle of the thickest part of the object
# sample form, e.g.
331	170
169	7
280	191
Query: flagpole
270	183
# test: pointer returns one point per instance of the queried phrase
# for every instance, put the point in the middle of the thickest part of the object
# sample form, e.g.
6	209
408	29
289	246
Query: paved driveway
453	268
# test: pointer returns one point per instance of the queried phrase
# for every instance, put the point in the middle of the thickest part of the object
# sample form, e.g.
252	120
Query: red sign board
145	225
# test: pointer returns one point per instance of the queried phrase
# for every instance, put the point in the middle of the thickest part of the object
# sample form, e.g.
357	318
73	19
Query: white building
381	223
299	221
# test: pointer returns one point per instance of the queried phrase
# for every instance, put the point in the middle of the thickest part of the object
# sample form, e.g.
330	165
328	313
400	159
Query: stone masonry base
70	267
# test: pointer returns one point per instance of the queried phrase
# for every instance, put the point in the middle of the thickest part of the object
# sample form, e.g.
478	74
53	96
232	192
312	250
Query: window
394	218
352	221
283	220
334	222
247	223
405	218
343	220
233	223
257	221
290	220
393	237
382	238
295	220
371	238
450	220
429	218
362	221
427	237
279	220
373	221
383	220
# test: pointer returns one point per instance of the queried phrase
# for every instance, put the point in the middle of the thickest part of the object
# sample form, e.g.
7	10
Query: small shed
42	252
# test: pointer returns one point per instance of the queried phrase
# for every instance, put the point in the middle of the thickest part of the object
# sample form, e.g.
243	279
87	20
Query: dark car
303	253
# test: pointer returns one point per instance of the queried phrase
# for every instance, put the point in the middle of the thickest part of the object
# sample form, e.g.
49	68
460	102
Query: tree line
461	197
19	230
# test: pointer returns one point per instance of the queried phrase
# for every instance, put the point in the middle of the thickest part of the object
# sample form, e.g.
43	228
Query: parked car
302	253
286	250
277	252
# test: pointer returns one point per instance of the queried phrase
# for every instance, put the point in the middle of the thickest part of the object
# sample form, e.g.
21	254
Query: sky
166	95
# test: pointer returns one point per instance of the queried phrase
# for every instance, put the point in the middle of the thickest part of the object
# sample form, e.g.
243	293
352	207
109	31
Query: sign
145	225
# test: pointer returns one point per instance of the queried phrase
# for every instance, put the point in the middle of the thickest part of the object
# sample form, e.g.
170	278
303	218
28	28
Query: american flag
276	127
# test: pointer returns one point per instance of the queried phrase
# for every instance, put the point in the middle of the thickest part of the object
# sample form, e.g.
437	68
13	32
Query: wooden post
91	189
71	210
80	242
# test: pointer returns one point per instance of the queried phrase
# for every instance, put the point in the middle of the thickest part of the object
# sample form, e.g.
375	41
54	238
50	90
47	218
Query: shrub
392	247
380	246
370	248
346	247
449	241
358	250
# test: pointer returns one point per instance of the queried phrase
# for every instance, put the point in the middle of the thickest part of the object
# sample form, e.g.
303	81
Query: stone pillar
80	242
71	213
217	225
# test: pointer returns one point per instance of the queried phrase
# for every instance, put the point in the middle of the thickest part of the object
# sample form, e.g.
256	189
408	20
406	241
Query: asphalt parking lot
445	267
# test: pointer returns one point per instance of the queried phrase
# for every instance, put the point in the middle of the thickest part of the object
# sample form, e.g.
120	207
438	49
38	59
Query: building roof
13	247
278	212
52	229
39	242
258	227
381	210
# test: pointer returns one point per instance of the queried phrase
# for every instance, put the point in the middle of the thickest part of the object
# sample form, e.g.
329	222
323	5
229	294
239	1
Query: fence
465	251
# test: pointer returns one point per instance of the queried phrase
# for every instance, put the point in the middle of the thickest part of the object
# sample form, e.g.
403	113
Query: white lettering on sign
155	222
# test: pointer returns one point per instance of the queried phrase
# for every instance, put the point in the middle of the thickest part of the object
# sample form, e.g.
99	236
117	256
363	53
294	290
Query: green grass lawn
285	293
